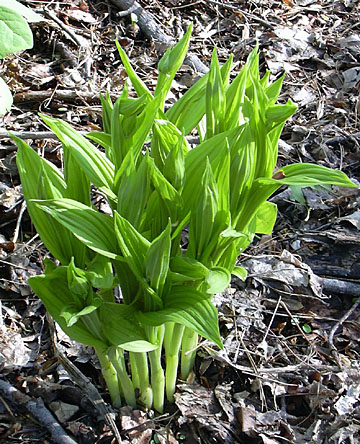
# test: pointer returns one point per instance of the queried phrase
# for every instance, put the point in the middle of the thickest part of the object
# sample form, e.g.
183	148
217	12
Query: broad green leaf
188	307
174	167
122	327
92	228
157	260
265	218
78	283
72	314
169	64
217	280
215	100
97	167
195	161
103	139
6	99
187	112
100	272
27	13
203	214
52	289
169	195
273	90
107	107
133	245
41	179
77	184
137	83
188	267
15	33
306	175
134	190
240	272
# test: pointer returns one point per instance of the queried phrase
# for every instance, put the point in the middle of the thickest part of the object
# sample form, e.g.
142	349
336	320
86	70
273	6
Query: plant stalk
188	352
142	369
172	348
157	372
110	376
116	356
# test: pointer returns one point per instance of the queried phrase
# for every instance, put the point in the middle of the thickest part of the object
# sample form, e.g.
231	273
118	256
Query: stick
38	410
154	32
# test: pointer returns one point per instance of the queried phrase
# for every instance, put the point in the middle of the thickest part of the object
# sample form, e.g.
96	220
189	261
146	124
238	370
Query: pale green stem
142	370
116	356
188	352
134	372
172	348
110	376
157	372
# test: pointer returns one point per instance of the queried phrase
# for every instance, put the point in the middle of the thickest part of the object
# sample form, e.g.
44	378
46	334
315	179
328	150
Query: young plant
158	189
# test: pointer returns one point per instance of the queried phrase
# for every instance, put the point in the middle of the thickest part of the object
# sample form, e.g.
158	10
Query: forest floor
290	369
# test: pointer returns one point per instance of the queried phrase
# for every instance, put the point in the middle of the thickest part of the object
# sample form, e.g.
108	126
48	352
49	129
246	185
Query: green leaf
133	245
134	190
77	281
15	33
122	328
188	267
188	307
187	112
306	175
215	100
26	12
265	218
100	272
240	272
203	214
169	195
41	179
217	280
169	64
6	99
107	107
103	139
97	167
92	228
52	289
157	260
137	83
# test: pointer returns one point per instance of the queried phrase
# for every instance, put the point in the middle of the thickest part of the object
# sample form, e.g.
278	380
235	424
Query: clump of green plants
128	281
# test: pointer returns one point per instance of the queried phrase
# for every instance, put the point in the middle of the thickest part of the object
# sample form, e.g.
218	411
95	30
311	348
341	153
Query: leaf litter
277	379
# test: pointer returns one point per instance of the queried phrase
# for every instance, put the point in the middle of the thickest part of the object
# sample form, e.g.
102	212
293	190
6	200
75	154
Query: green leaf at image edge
6	99
15	33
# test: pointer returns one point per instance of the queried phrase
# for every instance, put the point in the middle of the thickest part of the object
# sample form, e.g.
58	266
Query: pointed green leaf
217	280
188	307
122	327
92	228
52	289
157	260
98	169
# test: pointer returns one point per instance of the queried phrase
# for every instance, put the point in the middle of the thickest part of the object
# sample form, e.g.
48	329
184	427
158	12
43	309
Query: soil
289	371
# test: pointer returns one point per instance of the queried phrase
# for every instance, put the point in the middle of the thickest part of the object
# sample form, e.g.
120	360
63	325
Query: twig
66	95
18	222
341	287
263	22
340	322
153	31
38	410
74	37
127	11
